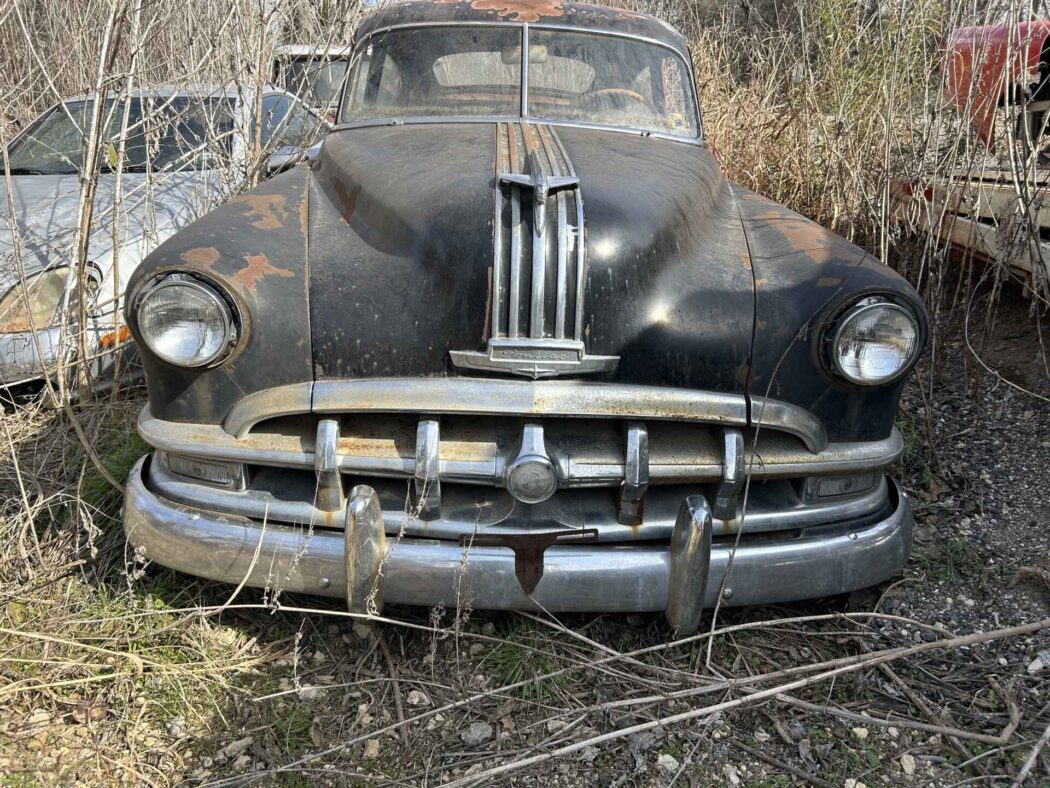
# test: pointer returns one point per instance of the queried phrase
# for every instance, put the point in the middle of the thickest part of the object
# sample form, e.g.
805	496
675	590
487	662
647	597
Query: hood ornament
542	186
534	332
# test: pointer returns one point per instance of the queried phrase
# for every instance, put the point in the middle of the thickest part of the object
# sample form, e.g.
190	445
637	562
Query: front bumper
576	578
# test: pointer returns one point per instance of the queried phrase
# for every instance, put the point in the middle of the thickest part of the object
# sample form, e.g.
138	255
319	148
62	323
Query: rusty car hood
410	259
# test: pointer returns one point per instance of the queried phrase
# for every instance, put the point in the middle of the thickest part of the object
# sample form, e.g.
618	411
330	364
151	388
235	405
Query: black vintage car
511	341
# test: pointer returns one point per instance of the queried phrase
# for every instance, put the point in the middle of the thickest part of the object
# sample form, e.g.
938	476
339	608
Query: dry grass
116	673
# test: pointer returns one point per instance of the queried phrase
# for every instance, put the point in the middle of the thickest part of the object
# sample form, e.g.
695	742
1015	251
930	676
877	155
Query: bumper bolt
324	582
727	594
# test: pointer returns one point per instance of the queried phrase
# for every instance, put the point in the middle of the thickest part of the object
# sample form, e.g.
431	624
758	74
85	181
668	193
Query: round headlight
185	322
874	342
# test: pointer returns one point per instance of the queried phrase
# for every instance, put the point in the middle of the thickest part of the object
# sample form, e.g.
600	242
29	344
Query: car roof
201	90
540	13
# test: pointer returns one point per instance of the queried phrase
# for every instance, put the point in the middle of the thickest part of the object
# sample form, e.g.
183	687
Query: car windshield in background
579	77
162	133
316	81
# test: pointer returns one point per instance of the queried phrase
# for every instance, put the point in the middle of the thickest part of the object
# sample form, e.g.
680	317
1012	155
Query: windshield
470	71
174	133
316	81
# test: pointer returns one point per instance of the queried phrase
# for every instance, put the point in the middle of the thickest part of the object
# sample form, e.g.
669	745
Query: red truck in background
993	207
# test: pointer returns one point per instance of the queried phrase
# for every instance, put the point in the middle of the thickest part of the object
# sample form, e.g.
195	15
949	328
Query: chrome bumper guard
664	576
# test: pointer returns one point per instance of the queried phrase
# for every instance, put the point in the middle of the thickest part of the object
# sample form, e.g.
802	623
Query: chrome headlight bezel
227	310
846	316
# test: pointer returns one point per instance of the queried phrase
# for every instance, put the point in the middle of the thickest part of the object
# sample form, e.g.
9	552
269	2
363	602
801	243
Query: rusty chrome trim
326	466
733	478
773	457
591	577
426	474
270	403
479	511
785	417
477	396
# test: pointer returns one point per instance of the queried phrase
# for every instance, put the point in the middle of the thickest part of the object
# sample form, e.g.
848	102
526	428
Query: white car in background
168	156
313	73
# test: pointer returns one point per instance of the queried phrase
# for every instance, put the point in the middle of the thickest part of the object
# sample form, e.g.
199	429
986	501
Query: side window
275	109
287	123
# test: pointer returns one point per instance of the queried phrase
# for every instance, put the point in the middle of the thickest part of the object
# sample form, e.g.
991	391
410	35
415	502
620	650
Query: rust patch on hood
265	211
304	211
257	268
347	200
516	10
201	256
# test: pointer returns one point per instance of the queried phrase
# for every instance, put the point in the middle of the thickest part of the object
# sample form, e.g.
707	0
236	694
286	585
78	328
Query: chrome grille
538	261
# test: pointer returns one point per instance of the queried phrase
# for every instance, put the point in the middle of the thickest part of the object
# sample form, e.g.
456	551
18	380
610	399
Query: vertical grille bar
559	166
502	161
539	247
580	245
563	242
514	298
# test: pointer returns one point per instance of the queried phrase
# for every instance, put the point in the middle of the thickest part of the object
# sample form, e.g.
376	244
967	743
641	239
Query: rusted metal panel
986	64
539	12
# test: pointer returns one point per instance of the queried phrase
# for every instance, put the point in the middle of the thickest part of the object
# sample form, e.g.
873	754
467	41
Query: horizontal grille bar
283	497
585	452
571	399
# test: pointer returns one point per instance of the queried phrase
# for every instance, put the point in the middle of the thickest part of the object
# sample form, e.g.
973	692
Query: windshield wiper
26	171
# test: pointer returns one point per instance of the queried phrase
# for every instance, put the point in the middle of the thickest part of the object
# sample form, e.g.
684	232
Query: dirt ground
117	674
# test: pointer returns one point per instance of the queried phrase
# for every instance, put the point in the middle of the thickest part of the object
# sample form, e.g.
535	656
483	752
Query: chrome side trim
576	577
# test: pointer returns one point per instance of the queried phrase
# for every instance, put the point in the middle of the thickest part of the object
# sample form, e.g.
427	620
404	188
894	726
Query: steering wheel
623	93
